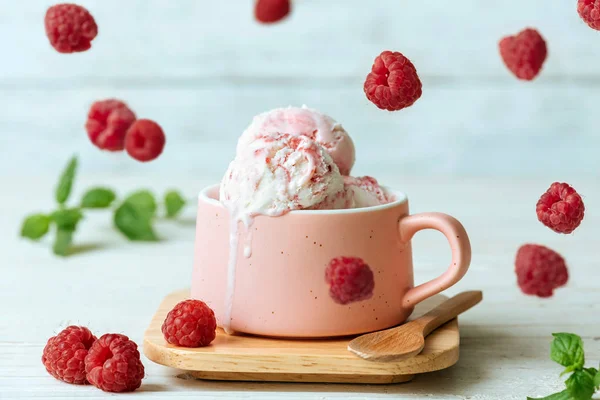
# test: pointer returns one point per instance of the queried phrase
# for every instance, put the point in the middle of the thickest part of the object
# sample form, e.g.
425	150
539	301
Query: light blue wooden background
202	69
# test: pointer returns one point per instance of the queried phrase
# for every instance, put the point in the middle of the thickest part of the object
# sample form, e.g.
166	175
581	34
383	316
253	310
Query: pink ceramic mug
280	290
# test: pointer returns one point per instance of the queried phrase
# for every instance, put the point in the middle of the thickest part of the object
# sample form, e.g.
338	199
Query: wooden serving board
253	358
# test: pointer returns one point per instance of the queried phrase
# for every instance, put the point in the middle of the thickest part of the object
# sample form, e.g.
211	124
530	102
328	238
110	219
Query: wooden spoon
408	340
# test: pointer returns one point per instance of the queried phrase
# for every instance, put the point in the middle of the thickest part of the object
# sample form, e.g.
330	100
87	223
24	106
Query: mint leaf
564	395
67	219
143	201
174	203
35	226
581	384
98	198
62	242
597	379
66	222
567	350
65	183
135	222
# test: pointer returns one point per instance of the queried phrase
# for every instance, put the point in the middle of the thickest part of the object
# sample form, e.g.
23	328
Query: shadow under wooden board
253	358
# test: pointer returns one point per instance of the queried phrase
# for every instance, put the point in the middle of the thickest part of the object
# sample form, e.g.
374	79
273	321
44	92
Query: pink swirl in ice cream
303	121
358	192
366	192
276	173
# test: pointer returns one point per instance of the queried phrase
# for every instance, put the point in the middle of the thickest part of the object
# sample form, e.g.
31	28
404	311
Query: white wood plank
456	130
505	340
157	40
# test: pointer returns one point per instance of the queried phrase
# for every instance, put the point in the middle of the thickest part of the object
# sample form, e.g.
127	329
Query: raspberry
540	270
560	208
350	280
393	83
191	323
64	354
524	53
113	364
145	140
107	124
269	11
70	28
589	11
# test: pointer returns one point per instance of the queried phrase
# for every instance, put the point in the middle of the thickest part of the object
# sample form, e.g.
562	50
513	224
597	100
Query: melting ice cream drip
234	234
231	264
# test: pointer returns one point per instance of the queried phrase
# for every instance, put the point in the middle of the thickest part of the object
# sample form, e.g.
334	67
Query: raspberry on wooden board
70	28
191	323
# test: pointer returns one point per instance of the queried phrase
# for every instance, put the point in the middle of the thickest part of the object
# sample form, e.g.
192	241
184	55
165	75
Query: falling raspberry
393	83
540	270
349	280
65	353
113	364
270	11
524	54
107	124
70	28
589	11
191	323
145	140
560	208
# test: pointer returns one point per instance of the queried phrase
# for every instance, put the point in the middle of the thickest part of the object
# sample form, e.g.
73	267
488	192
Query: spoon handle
449	309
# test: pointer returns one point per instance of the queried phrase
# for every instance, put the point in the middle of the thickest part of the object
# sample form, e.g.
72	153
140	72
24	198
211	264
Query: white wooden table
203	68
115	286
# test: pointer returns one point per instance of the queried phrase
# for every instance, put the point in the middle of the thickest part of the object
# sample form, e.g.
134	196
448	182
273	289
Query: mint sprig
35	226
134	217
567	350
98	198
564	395
174	203
65	183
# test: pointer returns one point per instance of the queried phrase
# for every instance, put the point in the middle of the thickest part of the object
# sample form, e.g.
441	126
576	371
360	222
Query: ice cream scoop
365	191
276	173
303	121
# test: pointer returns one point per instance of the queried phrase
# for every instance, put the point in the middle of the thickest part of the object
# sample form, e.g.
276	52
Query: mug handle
459	243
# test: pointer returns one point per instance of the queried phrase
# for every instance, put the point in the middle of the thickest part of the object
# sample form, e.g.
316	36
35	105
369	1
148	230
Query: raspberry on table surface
70	28
589	11
113	364
145	140
393	83
350	279
64	354
560	208
107	124
540	270
191	323
524	53
270	11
